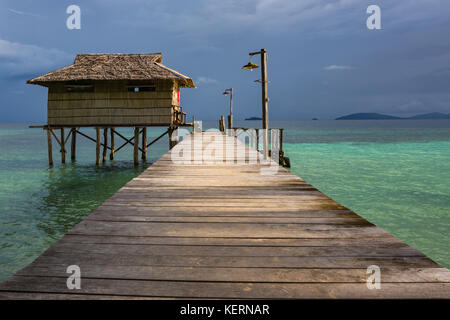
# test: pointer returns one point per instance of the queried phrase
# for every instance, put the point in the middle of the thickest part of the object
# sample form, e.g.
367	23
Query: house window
141	89
80	88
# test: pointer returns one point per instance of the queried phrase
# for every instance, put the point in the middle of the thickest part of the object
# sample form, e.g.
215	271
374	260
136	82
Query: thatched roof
114	67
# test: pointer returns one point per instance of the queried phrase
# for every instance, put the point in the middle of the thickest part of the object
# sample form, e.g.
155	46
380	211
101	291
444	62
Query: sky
323	61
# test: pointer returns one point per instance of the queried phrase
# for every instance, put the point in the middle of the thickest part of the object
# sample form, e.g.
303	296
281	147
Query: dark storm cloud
323	61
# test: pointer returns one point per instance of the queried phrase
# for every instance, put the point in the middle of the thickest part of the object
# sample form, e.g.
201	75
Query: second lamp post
230	117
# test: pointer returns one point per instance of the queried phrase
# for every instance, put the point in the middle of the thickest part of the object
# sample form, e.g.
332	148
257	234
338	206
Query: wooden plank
69	258
94	111
225	230
157	120
386	250
271	220
226	290
242	241
219	274
67	296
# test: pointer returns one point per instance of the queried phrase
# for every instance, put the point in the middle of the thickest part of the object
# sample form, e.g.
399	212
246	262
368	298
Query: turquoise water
38	205
396	174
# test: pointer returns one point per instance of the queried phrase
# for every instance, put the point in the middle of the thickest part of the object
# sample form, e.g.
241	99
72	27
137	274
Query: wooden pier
219	228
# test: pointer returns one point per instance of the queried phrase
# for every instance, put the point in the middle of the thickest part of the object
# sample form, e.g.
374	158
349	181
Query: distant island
253	118
379	116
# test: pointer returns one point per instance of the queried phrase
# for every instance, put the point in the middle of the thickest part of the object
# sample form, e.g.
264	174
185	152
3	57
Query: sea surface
394	173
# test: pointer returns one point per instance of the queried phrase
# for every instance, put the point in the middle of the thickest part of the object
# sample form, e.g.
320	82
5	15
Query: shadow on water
70	192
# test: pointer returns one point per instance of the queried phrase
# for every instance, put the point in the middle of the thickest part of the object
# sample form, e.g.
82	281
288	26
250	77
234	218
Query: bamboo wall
111	104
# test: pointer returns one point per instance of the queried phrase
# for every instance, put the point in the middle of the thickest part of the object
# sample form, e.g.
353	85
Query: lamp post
230	117
265	99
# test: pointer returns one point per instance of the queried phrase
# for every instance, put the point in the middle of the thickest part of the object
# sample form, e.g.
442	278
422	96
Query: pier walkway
220	228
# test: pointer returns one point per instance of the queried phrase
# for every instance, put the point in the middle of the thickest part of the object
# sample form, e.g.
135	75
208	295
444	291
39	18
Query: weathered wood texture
219	228
111	103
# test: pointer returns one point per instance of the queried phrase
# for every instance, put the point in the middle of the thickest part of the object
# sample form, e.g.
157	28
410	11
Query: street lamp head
250	66
228	91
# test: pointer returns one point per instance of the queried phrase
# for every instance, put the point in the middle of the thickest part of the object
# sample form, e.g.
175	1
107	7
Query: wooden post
105	143
73	146
50	149
265	101
111	155
222	124
144	143
63	147
257	139
230	118
136	145
281	139
173	138
97	149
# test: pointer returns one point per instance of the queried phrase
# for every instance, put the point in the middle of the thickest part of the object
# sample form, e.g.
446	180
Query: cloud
206	80
206	16
23	13
312	16
337	67
17	59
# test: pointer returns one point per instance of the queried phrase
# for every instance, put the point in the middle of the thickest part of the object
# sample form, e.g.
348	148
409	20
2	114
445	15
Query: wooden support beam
89	138
162	135
97	149
56	138
136	146
105	143
144	143
73	146
63	147
111	155
50	149
127	141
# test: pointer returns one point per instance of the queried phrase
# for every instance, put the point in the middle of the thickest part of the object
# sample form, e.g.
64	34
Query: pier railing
253	137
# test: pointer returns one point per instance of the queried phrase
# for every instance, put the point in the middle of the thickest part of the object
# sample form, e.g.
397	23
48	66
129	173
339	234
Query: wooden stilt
97	149
73	146
169	134
136	145
105	143
111	155
144	143
173	137
222	124
63	147
50	149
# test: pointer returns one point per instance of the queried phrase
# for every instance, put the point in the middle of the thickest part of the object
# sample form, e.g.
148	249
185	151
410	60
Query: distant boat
379	116
253	118
315	119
